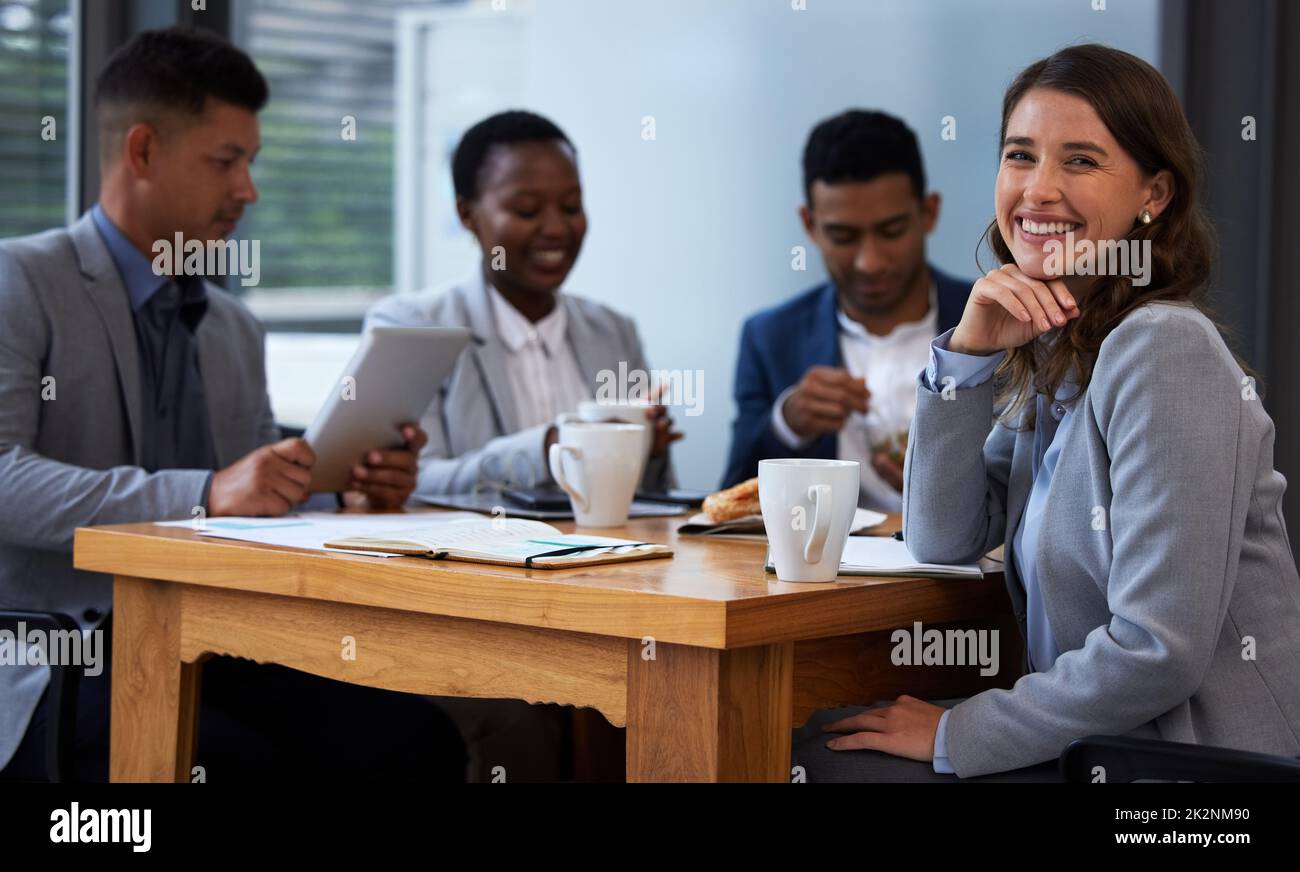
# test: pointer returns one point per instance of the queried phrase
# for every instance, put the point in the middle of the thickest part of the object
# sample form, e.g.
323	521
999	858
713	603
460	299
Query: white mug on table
598	464
629	413
808	508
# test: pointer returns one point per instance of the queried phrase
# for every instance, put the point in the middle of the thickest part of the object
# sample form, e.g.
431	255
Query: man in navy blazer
832	372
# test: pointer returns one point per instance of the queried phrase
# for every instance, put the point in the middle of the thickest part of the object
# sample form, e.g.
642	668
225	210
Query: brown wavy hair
1141	111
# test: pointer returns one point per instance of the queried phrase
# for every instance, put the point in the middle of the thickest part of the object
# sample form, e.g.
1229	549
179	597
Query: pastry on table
734	502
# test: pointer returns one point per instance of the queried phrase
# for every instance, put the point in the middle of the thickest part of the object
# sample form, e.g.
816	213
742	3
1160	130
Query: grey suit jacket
70	428
1163	560
474	413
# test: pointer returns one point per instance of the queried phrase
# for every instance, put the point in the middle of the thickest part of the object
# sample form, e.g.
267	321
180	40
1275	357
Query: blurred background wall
692	230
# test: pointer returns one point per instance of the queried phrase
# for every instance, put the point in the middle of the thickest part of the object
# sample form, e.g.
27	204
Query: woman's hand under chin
1007	308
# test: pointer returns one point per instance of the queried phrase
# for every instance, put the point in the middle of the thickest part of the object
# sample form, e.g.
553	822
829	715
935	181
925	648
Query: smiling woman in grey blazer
1129	472
538	352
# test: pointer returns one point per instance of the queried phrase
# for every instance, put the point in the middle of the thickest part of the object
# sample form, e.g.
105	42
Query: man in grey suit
132	394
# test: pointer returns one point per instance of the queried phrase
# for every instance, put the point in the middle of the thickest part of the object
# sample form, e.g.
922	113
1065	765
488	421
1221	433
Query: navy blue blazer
780	344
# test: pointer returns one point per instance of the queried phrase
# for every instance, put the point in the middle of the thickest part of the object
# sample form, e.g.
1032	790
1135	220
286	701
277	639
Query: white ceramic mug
598	465
808	508
628	413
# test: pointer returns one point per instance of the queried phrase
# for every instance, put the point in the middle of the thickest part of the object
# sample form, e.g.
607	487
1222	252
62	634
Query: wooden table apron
705	658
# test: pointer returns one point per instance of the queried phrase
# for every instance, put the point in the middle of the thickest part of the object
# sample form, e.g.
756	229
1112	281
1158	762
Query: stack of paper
885	555
889	556
311	529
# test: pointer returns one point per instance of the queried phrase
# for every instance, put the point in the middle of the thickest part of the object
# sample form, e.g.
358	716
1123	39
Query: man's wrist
781	424
788	419
206	500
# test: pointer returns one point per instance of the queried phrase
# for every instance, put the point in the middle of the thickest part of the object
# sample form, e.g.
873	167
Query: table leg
700	714
155	695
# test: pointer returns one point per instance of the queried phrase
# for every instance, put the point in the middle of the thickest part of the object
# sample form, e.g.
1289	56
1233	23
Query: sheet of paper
864	518
885	554
313	529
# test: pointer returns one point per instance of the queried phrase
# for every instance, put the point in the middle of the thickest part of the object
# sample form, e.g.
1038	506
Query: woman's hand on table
904	728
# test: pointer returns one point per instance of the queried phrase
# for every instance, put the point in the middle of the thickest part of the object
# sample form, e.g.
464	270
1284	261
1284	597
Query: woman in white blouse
537	352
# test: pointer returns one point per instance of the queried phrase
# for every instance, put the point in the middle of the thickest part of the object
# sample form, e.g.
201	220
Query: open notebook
504	541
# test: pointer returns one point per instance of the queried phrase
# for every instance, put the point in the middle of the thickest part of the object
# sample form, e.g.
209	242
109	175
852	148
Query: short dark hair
858	146
504	128
173	69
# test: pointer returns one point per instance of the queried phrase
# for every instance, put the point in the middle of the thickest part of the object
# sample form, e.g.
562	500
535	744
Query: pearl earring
1145	217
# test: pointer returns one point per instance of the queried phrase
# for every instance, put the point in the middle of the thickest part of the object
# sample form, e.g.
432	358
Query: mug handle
820	494
556	459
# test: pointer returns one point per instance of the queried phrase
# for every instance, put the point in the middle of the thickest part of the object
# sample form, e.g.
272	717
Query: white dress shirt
889	364
545	379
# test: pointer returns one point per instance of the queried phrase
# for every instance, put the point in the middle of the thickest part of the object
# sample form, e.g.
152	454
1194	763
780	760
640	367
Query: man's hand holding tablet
275	478
269	481
387	478
356	447
365	437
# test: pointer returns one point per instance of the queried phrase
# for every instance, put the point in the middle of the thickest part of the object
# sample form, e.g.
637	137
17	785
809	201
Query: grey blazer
474	413
1179	617
70	427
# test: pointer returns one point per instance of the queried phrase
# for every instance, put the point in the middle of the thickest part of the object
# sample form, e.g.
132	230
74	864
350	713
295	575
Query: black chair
1125	759
65	680
60	693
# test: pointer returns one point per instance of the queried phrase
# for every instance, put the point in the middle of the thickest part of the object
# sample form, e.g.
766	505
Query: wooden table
705	658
